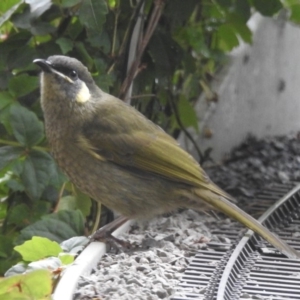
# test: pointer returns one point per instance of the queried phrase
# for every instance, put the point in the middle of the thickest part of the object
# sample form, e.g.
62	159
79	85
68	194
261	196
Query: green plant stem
16	144
177	116
98	217
143	96
126	36
152	23
117	13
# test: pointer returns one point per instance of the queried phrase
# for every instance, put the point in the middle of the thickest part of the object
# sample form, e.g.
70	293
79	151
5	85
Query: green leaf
33	285
69	3
267	7
5	99
241	27
165	54
74	29
3	205
7	4
27	128
24	214
15	185
193	37
8	12
224	3
66	203
295	13
23	20
100	65
65	45
39	209
83	203
180	11
56	227
113	3
38	248
22	85
5	118
8	154
22	58
79	201
187	113
4	77
27	20
17	41
191	86
17	165
102	40
6	246
104	81
88	60
38	169
41	28
93	13
19	215
243	9
57	177
66	258
227	38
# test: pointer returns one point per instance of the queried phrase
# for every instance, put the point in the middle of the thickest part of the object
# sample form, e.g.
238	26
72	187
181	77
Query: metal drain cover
250	268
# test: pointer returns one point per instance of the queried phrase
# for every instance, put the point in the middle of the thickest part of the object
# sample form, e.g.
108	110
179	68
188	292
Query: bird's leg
104	234
214	214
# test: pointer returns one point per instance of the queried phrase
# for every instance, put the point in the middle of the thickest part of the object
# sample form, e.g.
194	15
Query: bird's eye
73	75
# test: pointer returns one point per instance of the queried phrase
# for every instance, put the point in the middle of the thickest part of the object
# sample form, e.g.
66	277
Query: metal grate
276	278
266	262
198	275
251	268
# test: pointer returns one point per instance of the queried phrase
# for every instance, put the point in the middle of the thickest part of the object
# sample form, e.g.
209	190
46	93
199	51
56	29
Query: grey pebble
134	281
144	260
161	293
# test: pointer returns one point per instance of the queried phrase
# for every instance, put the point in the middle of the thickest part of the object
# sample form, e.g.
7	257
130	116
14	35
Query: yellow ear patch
84	94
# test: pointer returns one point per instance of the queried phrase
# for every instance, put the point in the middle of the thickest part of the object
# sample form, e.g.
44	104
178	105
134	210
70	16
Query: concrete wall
259	92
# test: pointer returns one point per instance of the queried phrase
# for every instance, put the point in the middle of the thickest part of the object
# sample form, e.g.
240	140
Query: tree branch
153	21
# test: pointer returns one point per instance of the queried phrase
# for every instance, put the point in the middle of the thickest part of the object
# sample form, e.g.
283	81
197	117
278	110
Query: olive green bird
117	156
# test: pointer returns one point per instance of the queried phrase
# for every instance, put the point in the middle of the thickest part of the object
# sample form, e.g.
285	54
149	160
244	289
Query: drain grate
276	278
199	275
250	269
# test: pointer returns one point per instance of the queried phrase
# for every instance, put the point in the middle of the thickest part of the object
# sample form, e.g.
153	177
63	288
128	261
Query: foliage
33	285
43	261
185	42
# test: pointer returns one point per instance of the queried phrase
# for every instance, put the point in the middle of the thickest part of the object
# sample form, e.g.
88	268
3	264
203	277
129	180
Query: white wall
259	92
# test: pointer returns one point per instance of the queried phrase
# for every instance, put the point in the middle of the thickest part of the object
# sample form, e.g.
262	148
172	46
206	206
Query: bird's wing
147	149
147	152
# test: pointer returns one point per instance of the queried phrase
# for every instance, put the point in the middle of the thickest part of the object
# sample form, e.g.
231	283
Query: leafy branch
152	24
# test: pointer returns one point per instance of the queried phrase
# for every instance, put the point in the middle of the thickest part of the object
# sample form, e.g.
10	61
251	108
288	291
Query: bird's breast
132	193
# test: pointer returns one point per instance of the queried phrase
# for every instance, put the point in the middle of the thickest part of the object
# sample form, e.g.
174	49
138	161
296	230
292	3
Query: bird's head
66	84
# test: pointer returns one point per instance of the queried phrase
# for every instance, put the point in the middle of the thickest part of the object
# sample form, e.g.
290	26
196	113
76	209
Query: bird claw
110	240
104	235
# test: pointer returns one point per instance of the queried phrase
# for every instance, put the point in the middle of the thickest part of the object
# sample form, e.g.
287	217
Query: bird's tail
222	204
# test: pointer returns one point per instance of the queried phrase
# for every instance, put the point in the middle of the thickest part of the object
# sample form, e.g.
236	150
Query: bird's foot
104	234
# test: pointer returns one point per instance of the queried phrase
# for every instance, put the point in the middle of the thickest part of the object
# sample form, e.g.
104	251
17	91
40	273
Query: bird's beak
45	65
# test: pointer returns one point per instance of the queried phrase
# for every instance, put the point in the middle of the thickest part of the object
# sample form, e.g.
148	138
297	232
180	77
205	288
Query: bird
118	157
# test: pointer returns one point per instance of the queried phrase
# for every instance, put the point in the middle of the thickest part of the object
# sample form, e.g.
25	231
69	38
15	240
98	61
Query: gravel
165	245
163	248
257	164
